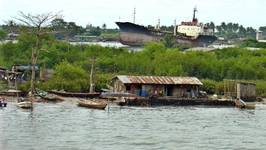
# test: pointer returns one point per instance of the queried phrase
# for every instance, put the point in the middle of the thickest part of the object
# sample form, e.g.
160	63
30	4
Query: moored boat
25	104
72	94
92	104
52	97
13	93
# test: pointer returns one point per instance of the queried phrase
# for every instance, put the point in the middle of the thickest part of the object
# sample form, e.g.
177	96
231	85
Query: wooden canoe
72	94
25	104
52	98
13	93
92	104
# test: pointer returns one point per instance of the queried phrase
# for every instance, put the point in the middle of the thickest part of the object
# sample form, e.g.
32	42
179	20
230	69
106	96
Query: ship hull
137	39
136	35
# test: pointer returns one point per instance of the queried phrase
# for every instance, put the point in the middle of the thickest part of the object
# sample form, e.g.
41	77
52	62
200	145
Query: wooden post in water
238	91
92	86
8	80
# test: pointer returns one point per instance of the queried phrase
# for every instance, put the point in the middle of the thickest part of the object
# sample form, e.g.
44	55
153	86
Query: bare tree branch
36	23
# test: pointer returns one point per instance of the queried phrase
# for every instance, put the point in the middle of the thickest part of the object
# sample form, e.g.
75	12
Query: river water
65	126
109	44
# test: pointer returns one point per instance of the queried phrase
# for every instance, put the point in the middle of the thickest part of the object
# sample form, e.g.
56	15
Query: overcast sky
246	12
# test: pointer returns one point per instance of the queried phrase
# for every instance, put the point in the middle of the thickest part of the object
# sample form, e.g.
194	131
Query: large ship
188	33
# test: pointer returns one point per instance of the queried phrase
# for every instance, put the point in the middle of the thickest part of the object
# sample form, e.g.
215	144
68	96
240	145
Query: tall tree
10	26
224	27
212	26
37	25
235	27
242	31
263	29
58	24
104	26
230	27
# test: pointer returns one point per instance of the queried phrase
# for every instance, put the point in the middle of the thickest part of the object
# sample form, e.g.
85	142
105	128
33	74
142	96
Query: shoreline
148	103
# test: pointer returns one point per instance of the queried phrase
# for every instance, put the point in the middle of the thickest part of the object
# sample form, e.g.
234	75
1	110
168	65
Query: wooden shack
145	86
240	89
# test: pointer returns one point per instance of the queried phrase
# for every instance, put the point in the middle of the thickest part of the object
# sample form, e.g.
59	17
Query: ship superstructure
193	29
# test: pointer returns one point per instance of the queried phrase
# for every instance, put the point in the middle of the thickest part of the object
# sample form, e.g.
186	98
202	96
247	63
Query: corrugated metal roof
159	80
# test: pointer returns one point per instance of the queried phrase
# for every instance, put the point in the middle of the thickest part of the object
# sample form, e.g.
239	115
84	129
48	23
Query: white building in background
259	37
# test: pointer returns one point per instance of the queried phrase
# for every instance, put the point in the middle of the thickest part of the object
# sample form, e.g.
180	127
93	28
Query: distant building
259	35
157	86
12	36
25	71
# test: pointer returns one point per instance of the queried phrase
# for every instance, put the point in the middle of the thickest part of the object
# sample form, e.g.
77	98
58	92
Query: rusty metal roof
159	80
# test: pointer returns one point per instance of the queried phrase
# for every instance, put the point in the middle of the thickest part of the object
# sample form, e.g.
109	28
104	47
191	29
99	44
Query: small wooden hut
180	87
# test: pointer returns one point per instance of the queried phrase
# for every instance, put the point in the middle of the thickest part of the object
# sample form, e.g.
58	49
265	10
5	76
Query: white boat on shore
25	104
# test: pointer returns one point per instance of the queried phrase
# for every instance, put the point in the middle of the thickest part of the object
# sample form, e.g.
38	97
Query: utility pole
175	27
134	15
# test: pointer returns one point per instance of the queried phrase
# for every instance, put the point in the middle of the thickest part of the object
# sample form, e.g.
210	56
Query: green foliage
212	86
252	43
3	85
64	28
261	88
233	30
169	41
209	86
72	64
20	53
102	80
95	31
68	77
3	34
24	86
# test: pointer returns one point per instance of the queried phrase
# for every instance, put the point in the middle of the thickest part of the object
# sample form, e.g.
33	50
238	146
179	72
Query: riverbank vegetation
71	63
252	43
233	31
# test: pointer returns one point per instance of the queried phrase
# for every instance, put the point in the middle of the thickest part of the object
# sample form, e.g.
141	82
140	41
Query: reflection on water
65	126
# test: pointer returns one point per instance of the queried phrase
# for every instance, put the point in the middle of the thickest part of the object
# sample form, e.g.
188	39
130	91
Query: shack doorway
169	90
